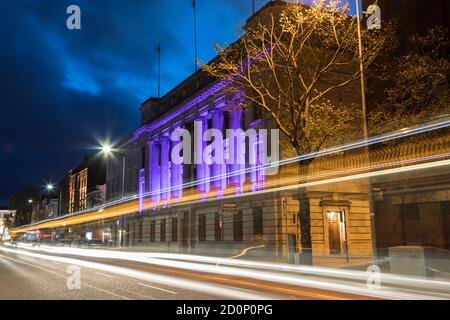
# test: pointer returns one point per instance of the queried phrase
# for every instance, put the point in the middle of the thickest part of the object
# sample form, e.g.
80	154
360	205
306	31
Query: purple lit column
261	157
165	170
219	169
141	190
154	172
203	186
253	161
238	164
176	177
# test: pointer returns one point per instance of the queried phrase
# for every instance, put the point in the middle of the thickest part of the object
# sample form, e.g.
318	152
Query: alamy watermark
73	21
374	277
238	147
74	280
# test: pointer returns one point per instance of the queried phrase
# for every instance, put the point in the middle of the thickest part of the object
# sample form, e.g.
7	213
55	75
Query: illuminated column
253	161
238	165
154	172
261	158
176	177
141	189
219	169
165	170
203	187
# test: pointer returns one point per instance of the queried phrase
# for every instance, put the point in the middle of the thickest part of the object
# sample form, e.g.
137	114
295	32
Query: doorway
336	232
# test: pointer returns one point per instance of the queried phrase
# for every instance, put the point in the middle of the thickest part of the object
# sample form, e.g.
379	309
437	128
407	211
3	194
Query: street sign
229	208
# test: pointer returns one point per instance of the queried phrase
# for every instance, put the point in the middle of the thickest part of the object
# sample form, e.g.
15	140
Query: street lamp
30	201
50	187
375	17
107	150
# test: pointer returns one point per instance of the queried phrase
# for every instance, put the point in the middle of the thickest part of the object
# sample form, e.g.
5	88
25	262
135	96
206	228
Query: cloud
62	90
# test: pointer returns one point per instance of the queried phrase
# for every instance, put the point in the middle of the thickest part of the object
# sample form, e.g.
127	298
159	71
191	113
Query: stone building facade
230	213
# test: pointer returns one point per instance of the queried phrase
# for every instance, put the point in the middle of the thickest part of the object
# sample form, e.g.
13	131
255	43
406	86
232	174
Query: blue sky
63	90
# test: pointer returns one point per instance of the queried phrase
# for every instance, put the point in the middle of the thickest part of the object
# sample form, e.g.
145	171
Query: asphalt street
29	277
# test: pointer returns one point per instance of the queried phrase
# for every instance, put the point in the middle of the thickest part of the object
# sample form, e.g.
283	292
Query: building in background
46	207
83	187
6	220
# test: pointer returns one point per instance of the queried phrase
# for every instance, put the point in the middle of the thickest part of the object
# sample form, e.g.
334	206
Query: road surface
25	277
39	273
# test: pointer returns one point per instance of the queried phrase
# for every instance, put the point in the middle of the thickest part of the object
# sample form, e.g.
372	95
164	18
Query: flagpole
195	34
159	70
253	7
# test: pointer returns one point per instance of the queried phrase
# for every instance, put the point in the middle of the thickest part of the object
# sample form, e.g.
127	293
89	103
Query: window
140	231
152	231
238	226
174	229
210	123
218	227
133	233
202	227
128	234
143	157
162	231
257	222
226	122
256	113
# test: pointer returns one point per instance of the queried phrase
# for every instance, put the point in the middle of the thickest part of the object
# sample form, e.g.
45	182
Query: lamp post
108	150
364	111
361	68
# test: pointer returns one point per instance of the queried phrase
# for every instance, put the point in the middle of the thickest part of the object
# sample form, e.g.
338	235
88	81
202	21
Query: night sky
62	91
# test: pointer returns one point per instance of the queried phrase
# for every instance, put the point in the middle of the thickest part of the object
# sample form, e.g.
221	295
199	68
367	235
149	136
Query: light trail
131	207
406	132
219	290
236	268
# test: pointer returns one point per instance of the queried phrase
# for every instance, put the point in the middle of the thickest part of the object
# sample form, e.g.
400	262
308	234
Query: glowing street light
106	149
30	200
50	187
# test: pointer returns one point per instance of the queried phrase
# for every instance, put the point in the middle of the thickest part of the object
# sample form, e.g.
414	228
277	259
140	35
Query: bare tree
300	64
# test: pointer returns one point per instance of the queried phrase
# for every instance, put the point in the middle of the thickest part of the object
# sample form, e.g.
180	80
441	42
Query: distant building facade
45	208
83	187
